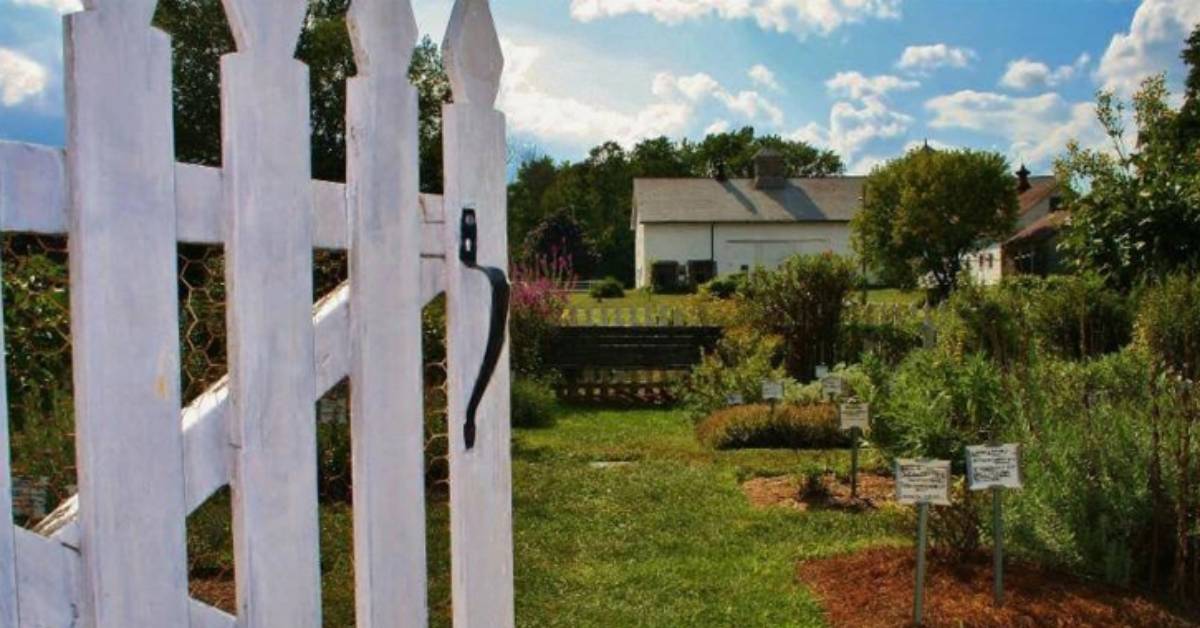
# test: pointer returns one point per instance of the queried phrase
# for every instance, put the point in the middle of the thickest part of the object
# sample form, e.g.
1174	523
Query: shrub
1077	316
1168	325
539	296
938	404
607	288
890	339
741	361
533	403
802	302
724	287
790	426
988	321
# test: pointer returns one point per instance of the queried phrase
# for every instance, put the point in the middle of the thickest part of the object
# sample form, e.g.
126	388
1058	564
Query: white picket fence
115	556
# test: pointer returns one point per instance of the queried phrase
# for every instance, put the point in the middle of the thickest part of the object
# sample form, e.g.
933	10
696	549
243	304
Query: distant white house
722	226
1031	249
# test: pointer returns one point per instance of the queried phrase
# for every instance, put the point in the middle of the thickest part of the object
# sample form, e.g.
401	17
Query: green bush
1077	316
785	426
738	366
607	288
724	287
888	339
1168	325
802	302
533	403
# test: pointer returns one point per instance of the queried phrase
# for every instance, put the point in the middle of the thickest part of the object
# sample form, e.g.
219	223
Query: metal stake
919	597
998	550
854	436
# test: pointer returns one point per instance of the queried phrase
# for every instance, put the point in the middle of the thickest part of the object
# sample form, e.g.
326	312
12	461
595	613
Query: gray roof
833	199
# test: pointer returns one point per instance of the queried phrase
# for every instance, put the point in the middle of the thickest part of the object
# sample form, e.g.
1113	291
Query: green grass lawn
669	540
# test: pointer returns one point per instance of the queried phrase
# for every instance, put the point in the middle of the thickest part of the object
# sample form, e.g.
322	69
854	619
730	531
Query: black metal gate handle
467	253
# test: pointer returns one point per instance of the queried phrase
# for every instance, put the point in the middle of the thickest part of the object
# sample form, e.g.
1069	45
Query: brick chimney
770	170
1023	184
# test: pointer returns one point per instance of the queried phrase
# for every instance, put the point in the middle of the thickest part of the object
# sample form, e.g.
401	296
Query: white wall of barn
735	246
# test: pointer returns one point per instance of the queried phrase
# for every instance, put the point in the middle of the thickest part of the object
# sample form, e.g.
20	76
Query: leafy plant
533	403
759	425
607	288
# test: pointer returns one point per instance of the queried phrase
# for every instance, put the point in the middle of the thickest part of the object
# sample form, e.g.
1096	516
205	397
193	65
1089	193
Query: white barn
738	224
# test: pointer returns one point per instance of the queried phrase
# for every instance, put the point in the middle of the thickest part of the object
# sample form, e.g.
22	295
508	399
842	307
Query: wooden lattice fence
115	555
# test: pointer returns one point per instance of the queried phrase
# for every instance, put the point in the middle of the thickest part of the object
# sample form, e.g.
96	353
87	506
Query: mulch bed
875	588
833	492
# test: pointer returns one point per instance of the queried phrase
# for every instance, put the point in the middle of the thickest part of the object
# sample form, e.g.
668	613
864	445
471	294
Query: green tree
200	35
1189	115
1135	214
922	212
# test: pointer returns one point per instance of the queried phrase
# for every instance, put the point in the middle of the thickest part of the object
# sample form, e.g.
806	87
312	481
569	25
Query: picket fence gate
115	556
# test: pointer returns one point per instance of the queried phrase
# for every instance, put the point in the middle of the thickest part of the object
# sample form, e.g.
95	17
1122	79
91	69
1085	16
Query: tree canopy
922	212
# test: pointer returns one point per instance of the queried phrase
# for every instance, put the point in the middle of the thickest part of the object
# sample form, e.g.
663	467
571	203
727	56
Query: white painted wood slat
387	416
48	582
480	478
8	557
125	333
269	226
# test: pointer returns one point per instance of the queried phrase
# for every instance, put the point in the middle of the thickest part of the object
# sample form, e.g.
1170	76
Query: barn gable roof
833	199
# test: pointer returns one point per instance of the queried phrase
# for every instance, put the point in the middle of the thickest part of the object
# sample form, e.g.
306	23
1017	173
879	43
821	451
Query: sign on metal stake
922	482
995	468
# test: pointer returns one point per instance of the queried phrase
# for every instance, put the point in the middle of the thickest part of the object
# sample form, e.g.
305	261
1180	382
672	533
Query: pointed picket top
140	10
384	34
472	53
268	26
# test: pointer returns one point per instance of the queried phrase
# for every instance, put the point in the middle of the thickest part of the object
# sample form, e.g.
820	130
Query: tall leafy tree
1135	214
1189	115
200	35
922	212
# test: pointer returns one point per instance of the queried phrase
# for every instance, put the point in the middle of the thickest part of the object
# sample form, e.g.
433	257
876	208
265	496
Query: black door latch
468	250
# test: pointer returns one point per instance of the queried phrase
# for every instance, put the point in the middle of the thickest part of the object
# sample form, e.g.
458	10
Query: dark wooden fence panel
633	365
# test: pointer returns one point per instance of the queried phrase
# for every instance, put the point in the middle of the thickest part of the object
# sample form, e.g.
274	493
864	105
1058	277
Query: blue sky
866	78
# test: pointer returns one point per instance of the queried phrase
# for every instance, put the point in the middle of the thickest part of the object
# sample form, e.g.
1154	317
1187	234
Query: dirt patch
874	588
826	491
217	591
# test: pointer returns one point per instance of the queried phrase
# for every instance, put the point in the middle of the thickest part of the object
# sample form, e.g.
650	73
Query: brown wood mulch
788	491
874	588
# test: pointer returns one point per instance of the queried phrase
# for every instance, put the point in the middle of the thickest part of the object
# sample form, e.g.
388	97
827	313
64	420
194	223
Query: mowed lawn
670	539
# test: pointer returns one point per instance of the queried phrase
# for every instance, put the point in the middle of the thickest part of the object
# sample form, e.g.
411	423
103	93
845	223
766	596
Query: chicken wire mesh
38	344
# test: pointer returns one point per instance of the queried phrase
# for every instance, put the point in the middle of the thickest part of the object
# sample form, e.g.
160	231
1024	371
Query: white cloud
1025	73
62	6
717	127
856	85
750	104
762	75
1036	127
531	109
853	126
21	78
1151	46
934	56
866	164
801	17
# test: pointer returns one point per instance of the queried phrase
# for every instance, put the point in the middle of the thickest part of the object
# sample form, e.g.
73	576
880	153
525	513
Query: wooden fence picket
480	477
387	418
269	238
125	332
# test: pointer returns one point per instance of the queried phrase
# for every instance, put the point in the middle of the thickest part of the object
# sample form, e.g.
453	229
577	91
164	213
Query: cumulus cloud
854	125
1036	127
800	17
21	78
933	56
856	85
717	127
750	104
62	6
1025	73
762	75
1151	46
532	109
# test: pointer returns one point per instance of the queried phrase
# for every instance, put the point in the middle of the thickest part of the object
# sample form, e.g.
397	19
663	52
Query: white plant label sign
923	482
734	400
832	386
855	414
822	371
772	390
993	466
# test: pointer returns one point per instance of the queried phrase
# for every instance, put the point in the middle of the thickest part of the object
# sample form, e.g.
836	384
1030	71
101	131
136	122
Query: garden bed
875	588
831	491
